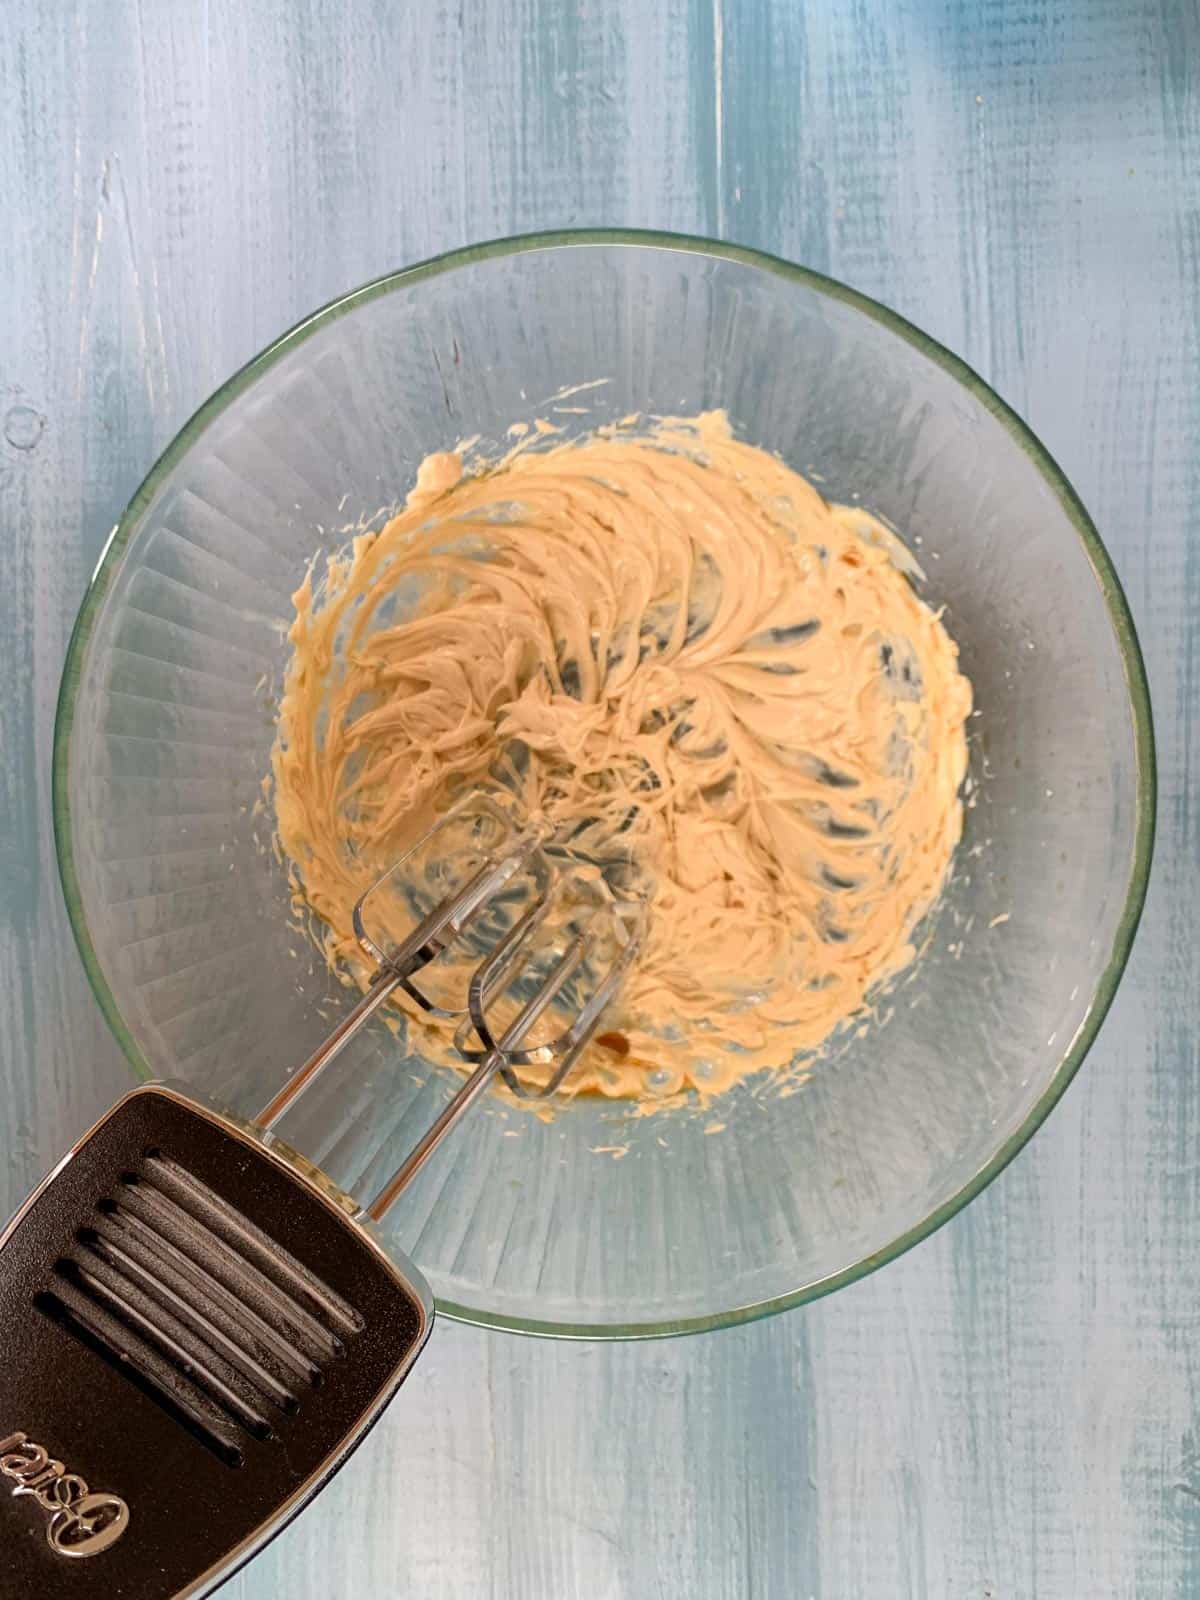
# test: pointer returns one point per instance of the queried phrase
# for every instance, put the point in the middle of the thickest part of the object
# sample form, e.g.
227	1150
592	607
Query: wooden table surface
1010	1410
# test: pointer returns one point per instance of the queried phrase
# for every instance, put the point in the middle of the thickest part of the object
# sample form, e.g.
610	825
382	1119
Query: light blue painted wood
1010	1410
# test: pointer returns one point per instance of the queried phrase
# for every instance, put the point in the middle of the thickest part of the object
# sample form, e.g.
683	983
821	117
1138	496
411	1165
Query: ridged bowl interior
598	1222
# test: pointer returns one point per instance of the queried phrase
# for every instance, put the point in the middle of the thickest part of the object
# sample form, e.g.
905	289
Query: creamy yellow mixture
668	636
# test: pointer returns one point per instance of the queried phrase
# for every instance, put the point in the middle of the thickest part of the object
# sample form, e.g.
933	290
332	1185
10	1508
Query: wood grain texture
1010	1410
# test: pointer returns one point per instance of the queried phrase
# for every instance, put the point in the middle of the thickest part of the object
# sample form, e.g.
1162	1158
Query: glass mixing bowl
595	1223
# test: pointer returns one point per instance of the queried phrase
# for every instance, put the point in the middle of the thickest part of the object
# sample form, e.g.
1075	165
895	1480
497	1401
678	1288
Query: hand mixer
199	1326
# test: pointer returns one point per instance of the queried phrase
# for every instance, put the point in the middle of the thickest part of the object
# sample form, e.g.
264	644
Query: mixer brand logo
81	1523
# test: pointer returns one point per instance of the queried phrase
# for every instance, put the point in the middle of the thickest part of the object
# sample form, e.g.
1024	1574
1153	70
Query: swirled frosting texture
660	635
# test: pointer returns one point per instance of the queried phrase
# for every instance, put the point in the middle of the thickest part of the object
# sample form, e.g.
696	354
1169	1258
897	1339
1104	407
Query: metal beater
505	855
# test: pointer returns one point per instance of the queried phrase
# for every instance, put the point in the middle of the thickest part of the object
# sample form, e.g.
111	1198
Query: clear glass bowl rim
1056	481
